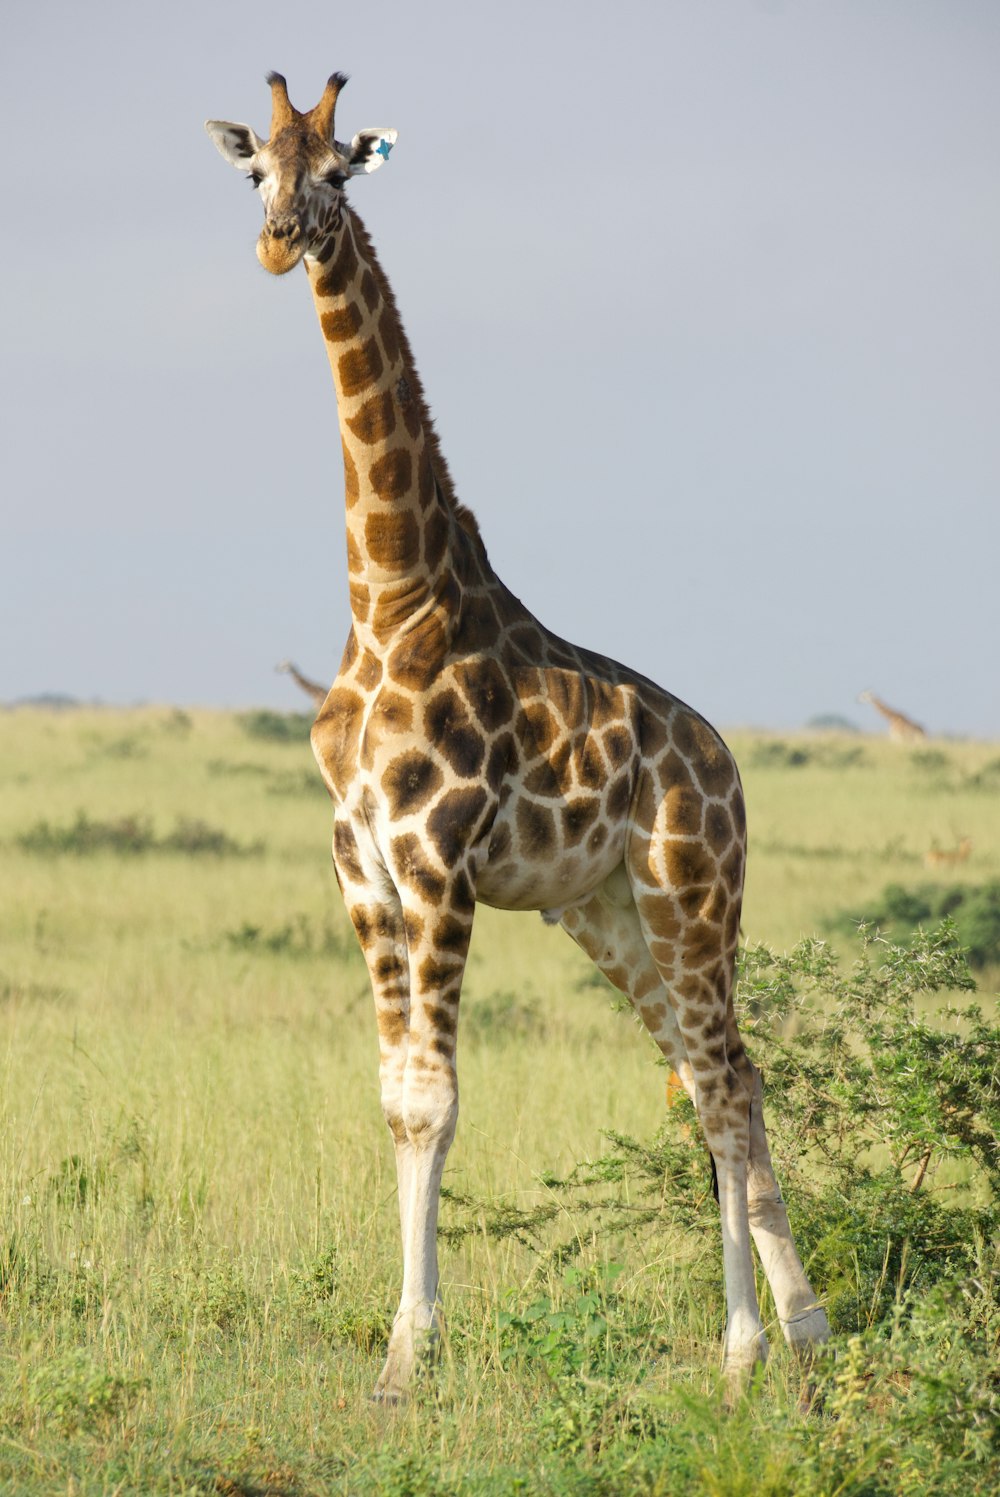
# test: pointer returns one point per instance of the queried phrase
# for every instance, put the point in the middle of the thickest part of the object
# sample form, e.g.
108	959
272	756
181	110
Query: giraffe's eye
335	179
254	178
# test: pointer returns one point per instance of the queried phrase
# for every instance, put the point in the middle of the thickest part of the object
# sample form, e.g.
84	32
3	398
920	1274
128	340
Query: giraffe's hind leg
803	1319
691	933
611	930
607	928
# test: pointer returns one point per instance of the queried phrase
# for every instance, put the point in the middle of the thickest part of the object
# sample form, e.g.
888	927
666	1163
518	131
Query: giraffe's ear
238	143
368	150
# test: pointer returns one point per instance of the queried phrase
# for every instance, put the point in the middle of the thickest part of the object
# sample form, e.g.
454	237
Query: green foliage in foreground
884	1118
591	1373
975	909
884	1125
571	1393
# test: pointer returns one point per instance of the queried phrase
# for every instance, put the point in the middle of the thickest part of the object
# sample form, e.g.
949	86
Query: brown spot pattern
435	538
369	671
351	484
335	734
409	782
416	661
450	730
359	367
345	850
684	809
369	291
395	711
337	279
375	421
453	825
414	868
536	829
355	560
542	728
392	474
390	338
578	817
392	539
718	828
618	798
342	324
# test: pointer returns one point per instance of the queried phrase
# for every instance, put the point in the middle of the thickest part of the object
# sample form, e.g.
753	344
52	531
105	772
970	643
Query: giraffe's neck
314	689
402	521
893	718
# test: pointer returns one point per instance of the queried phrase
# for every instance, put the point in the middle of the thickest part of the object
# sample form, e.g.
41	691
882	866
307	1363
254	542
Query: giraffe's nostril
284	228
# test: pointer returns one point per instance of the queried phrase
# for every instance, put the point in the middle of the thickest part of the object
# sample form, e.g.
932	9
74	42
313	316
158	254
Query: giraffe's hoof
742	1355
806	1334
390	1398
811	1397
744	1347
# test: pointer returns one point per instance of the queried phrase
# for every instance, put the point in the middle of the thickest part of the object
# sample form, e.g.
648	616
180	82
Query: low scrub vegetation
131	834
974	910
277	727
297	937
825	752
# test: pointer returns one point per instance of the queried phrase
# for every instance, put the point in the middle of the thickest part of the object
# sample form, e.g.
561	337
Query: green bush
974	908
987	778
77	1391
876	1113
130	835
773	753
127	834
196	837
827	753
276	727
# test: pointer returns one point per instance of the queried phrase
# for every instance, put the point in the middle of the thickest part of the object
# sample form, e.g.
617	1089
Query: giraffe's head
300	171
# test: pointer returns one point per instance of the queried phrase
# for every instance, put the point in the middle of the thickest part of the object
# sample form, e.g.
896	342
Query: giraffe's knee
392	1108
430	1113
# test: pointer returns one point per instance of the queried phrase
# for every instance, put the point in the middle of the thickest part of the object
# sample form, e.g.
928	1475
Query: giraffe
472	755
311	688
901	729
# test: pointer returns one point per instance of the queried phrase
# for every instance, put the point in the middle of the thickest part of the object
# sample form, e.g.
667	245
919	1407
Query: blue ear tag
383	148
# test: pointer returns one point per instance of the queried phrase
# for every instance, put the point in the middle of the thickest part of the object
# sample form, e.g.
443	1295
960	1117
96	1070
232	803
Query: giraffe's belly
539	857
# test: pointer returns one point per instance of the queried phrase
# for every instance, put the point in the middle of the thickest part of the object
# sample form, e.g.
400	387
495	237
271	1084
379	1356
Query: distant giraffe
313	689
901	729
473	755
948	857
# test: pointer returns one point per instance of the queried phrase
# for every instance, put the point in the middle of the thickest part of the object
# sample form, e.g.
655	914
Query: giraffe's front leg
378	918
437	945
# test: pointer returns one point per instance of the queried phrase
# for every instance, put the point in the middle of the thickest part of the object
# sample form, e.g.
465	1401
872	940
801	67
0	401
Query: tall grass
199	1259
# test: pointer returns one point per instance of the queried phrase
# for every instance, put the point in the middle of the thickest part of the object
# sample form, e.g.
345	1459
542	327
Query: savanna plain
199	1251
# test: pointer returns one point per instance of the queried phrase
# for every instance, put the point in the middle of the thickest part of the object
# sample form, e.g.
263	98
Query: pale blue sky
706	297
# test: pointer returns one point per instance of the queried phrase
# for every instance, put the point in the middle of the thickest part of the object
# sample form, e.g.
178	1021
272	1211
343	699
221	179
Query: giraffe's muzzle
281	245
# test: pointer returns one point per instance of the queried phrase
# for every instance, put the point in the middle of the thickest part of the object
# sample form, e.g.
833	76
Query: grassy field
199	1256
